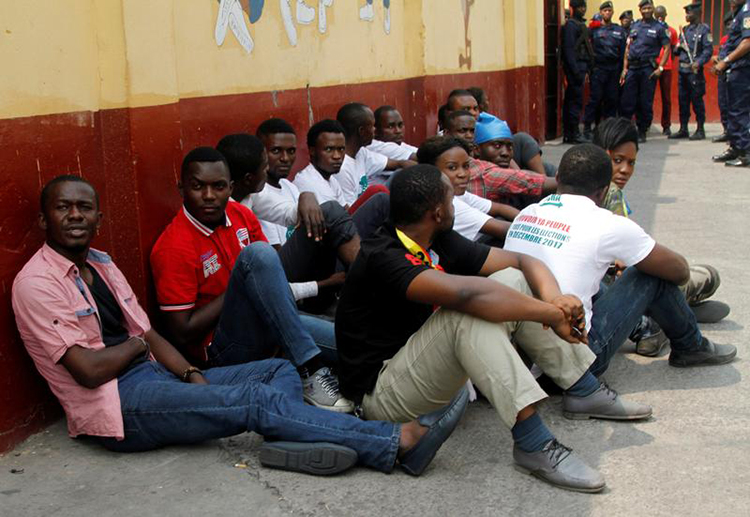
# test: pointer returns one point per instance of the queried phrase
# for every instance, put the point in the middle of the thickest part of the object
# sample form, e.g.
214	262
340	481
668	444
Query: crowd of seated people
346	312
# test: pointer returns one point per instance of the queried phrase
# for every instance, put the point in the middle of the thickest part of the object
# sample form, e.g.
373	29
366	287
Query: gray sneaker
605	404
703	283
559	466
321	389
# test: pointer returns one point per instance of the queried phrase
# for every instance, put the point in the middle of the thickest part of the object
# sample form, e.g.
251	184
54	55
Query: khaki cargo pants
451	347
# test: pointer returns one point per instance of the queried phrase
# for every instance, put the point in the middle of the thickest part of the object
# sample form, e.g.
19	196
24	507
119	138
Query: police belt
640	63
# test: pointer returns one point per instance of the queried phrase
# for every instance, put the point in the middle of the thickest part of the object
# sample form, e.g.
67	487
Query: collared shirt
508	186
55	310
646	41
192	264
739	31
696	42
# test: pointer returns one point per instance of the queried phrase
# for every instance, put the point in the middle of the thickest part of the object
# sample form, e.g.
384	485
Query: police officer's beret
577	3
626	14
606	5
645	2
695	6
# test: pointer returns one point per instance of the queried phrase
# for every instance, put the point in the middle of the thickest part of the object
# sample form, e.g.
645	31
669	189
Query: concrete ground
691	458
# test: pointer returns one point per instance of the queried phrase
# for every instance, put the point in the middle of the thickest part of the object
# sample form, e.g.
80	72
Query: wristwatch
661	68
726	60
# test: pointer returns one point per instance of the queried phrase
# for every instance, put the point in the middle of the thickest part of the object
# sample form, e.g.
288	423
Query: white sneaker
305	13
286	16
366	13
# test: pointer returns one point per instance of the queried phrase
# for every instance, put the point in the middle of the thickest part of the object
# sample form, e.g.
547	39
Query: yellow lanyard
417	251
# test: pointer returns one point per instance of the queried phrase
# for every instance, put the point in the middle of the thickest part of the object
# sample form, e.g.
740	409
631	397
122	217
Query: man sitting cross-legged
579	241
619	138
389	135
326	233
123	384
476	218
222	290
400	357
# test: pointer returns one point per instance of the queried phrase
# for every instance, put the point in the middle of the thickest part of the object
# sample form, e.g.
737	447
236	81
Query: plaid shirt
510	186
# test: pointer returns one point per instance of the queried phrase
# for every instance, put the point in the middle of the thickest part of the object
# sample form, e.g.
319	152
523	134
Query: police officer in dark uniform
642	68
626	20
736	65
577	57
608	41
721	86
694	50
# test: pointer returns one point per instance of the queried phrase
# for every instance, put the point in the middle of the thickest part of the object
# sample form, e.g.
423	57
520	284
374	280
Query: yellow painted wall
79	55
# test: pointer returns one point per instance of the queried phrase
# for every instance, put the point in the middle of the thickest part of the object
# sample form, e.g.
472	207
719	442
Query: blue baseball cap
489	127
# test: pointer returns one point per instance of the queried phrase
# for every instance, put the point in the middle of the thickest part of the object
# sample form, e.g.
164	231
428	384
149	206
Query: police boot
642	137
724	137
587	134
682	133
728	155
742	160
700	133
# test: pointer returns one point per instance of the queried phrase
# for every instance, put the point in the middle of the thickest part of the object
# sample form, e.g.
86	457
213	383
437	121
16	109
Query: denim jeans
260	316
618	309
263	396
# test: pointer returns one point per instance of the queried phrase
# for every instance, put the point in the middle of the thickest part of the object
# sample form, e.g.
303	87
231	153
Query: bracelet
190	370
147	353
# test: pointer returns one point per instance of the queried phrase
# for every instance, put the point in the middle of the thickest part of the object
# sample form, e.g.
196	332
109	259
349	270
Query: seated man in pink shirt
123	384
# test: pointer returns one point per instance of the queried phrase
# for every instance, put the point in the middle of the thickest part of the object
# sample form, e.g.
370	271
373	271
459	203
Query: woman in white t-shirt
476	218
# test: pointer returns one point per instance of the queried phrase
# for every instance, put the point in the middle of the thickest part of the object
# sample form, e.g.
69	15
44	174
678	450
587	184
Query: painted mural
294	13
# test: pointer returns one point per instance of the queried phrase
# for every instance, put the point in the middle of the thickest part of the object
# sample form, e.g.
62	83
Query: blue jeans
618	309
263	396
260	316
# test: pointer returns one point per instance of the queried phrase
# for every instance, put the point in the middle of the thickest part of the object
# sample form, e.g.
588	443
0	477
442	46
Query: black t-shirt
374	319
110	313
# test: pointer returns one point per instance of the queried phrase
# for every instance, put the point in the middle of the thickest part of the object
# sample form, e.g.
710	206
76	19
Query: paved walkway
691	458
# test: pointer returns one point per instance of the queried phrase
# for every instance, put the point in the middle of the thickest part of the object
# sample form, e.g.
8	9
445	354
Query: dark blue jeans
618	309
260	316
263	396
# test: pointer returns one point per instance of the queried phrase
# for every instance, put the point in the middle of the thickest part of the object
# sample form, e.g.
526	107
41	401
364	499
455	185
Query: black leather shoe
729	154
318	458
740	161
721	138
642	137
682	133
441	424
587	134
666	131
708	354
699	134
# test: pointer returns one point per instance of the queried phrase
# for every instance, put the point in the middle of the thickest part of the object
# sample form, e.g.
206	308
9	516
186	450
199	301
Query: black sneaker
708	354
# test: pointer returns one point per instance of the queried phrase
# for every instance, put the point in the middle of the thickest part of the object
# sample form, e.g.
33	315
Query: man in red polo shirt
223	292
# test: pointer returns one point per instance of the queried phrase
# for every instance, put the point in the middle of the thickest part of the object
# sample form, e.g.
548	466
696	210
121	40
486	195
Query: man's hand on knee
311	216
